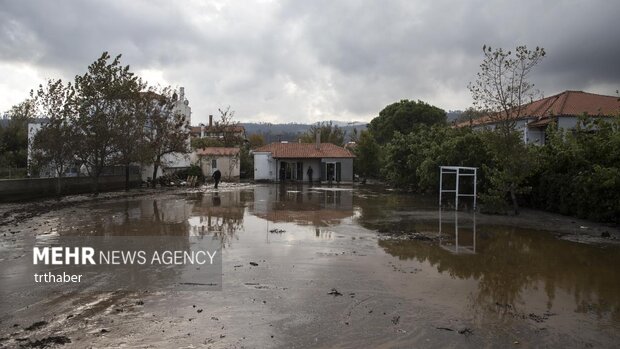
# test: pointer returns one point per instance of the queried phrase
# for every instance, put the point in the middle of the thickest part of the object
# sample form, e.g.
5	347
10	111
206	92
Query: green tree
328	132
166	130
403	117
14	135
502	88
367	153
101	100
54	145
256	140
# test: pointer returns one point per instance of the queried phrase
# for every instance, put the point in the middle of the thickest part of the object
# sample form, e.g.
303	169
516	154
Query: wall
22	189
264	167
229	166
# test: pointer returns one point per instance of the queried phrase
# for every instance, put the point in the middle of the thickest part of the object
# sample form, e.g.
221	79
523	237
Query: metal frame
457	170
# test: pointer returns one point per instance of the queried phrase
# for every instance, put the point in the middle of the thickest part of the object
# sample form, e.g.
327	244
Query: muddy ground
324	267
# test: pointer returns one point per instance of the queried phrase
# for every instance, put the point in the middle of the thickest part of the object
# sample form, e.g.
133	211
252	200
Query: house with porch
286	161
564	109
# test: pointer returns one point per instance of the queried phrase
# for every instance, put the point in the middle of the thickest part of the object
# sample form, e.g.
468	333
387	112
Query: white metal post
440	184
475	189
456	194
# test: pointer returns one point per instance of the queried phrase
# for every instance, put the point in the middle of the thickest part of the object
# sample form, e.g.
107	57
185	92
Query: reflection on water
303	205
515	268
511	268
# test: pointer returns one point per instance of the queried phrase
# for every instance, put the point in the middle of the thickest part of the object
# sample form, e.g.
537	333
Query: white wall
264	166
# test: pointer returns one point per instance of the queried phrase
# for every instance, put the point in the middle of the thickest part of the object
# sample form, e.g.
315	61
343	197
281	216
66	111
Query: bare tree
502	85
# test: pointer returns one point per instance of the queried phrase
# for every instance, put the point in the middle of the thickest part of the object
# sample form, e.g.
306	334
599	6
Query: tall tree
329	132
403	117
367	156
166	130
502	87
101	100
54	145
14	134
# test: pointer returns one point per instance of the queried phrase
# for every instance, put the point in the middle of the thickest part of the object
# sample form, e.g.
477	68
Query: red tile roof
217	151
305	150
567	103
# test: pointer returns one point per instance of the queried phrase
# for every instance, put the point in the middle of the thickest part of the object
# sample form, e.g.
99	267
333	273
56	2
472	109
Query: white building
564	109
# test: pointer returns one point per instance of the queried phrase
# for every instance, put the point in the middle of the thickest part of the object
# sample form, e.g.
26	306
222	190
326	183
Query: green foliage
367	153
256	140
329	132
246	165
579	171
403	117
14	135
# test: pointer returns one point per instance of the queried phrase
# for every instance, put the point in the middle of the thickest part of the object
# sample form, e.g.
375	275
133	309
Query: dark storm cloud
310	60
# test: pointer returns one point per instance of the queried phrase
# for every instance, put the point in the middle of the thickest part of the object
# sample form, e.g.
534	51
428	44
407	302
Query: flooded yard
327	267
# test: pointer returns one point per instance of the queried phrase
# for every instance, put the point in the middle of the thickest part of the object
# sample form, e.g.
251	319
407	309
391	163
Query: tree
54	144
14	134
256	140
403	116
101	99
502	87
328	132
227	127
166	130
367	156
129	128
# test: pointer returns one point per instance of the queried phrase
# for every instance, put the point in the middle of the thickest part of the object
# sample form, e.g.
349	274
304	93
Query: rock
37	325
466	331
334	292
104	330
254	264
199	311
396	319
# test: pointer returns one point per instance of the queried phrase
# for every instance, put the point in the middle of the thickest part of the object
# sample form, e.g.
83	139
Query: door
338	171
300	171
323	171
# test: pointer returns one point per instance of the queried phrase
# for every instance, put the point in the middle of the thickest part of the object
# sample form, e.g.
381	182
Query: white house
291	162
564	108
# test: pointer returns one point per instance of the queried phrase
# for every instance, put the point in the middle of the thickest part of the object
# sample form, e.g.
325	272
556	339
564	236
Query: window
214	163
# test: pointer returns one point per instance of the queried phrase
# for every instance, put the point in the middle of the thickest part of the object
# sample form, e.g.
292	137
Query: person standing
216	177
309	173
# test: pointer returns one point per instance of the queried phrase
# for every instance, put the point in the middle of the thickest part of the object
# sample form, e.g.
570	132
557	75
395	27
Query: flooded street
328	267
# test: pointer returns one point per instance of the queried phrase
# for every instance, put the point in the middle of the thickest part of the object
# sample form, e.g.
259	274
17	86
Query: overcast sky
306	61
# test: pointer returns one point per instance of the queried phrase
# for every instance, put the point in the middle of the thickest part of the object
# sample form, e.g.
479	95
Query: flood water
333	267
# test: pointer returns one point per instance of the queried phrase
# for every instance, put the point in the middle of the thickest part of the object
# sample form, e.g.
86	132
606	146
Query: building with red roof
564	109
303	162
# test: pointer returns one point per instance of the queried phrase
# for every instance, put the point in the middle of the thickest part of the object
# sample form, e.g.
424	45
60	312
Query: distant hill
291	131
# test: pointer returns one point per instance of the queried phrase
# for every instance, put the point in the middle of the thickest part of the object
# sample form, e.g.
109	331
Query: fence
30	188
13	172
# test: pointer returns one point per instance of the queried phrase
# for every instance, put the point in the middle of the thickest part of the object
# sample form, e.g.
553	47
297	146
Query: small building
224	159
564	109
290	162
215	131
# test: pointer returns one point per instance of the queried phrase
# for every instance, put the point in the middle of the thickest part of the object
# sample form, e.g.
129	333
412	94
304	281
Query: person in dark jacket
309	173
216	177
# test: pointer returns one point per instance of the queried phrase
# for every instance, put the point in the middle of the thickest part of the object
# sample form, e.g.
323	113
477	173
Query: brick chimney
318	141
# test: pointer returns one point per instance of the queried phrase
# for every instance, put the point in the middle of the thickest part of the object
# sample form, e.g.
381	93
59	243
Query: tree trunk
155	168
126	177
513	196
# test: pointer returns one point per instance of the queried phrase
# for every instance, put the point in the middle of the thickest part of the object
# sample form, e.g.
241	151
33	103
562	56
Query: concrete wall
22	189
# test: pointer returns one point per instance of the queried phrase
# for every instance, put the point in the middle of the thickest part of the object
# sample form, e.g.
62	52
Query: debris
49	341
199	311
140	302
35	326
466	331
605	234
444	328
277	231
254	264
104	330
334	292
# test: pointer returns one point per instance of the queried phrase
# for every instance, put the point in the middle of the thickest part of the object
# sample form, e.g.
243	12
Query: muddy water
335	267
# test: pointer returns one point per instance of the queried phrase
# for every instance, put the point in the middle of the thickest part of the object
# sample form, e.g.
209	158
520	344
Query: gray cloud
309	60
